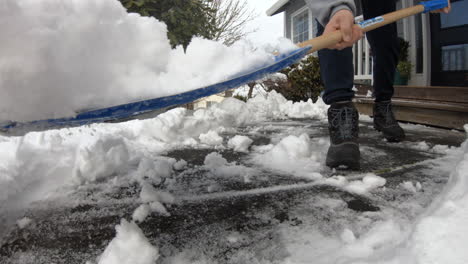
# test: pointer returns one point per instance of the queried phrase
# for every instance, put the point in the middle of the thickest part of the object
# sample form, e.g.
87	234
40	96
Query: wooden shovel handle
333	38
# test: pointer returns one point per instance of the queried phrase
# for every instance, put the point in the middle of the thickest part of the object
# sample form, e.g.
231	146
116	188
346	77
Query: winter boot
385	122
343	126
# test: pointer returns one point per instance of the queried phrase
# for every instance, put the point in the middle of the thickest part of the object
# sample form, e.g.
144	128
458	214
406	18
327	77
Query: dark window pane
455	58
457	17
301	27
419	44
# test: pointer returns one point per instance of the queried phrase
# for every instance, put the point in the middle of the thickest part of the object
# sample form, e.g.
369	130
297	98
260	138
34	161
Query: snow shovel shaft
331	39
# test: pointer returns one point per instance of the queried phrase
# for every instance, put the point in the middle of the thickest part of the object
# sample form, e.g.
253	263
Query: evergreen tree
184	18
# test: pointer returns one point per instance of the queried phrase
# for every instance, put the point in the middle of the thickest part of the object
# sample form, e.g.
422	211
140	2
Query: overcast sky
268	28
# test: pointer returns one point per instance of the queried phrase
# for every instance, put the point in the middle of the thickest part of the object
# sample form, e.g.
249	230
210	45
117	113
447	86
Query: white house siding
406	29
208	101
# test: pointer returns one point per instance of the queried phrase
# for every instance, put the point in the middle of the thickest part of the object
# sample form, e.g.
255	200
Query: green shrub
240	97
302	81
404	66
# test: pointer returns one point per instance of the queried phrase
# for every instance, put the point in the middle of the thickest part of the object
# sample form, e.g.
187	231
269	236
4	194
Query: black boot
385	121
343	126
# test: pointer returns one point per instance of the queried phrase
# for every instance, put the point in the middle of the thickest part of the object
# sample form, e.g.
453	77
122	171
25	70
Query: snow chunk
159	208
368	183
292	155
149	194
211	138
215	160
155	170
381	235
180	165
348	236
129	246
423	146
23	222
240	143
140	214
411	187
219	166
105	158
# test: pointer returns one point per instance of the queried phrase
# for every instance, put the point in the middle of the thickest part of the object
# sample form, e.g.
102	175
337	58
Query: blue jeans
337	65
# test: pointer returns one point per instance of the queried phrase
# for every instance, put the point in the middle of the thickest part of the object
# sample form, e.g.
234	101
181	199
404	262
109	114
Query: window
419	45
457	16
455	57
301	26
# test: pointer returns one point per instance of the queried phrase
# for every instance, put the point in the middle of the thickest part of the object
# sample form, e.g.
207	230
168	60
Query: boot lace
343	120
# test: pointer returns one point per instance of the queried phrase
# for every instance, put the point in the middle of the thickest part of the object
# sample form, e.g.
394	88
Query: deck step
441	114
429	93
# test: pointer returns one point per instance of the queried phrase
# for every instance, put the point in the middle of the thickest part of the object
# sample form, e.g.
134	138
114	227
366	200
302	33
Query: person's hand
445	10
343	20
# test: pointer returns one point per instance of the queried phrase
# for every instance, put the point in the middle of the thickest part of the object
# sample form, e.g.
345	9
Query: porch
430	105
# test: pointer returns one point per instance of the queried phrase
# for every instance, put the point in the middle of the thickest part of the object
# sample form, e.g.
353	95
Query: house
209	101
437	93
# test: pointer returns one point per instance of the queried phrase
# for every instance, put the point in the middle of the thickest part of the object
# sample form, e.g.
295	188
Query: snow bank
59	57
129	246
438	236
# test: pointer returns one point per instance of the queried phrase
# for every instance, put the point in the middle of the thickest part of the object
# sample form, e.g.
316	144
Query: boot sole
344	156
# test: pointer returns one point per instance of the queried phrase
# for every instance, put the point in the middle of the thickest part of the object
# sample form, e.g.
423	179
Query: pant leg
337	71
385	48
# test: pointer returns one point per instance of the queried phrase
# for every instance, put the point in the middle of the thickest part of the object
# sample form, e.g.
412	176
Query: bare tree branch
230	19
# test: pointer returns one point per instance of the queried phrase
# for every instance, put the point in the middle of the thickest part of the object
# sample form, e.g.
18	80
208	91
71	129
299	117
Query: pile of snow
440	235
59	57
129	246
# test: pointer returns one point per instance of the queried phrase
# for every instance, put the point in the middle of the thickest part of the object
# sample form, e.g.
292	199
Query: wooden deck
436	106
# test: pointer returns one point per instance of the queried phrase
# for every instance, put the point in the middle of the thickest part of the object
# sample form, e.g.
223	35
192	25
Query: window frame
310	26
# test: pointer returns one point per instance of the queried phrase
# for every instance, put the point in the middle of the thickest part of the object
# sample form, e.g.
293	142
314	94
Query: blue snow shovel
152	107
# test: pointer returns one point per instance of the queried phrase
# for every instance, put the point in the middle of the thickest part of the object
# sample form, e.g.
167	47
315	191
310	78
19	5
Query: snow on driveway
235	183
